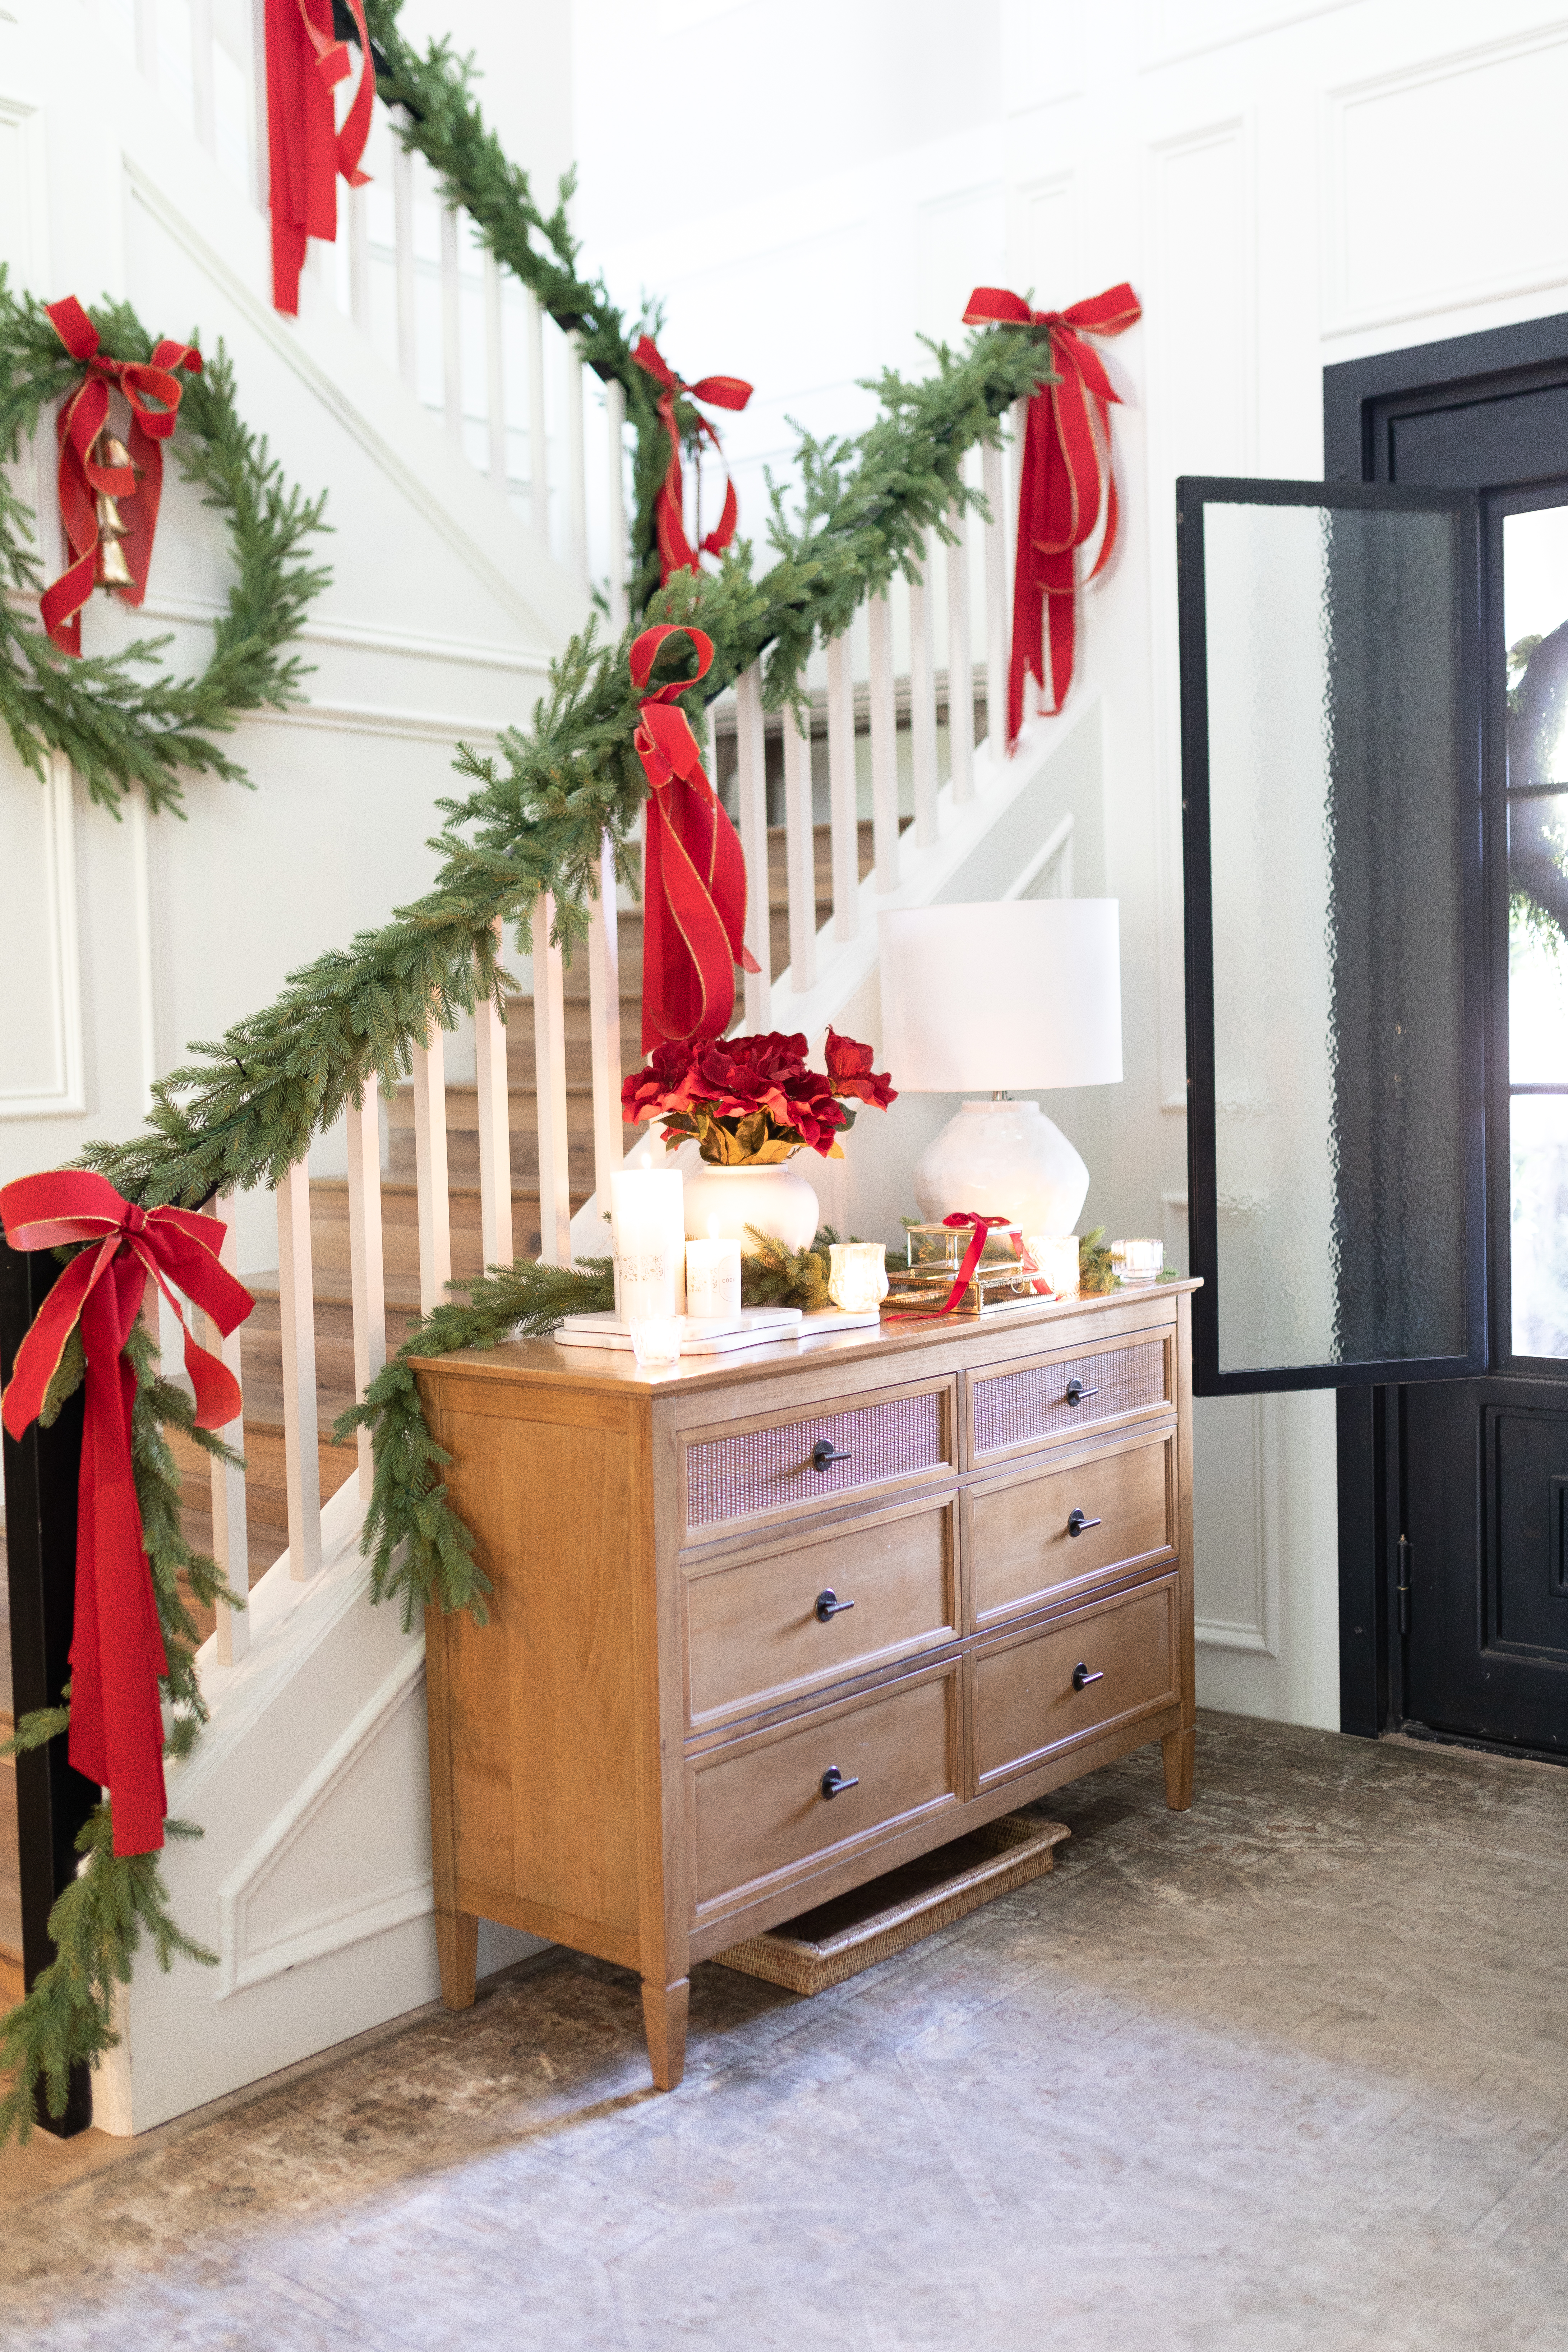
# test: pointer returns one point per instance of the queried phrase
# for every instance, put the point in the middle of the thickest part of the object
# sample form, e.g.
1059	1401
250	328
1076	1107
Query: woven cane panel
1014	1407
767	1469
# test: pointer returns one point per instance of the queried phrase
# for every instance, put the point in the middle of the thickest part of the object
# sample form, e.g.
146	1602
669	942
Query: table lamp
1021	992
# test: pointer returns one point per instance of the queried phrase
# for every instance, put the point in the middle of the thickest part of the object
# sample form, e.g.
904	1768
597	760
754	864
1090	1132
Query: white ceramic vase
722	1203
1001	1158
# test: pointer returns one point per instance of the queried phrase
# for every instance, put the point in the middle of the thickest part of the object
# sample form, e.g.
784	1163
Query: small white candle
650	1242
713	1275
858	1276
1055	1261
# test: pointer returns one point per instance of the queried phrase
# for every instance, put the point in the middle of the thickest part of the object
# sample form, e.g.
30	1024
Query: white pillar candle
650	1242
713	1278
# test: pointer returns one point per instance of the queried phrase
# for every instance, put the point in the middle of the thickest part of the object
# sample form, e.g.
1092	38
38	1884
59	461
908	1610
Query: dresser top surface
1021	1331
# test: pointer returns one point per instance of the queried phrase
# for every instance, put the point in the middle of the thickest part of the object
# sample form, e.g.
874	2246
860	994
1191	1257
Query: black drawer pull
1077	1391
825	1451
1082	1677
1077	1523
827	1605
834	1784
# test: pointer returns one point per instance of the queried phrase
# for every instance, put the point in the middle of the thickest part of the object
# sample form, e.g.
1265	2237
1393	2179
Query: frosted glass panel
1335	757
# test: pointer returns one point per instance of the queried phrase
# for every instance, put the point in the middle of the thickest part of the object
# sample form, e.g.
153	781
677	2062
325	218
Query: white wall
1287	185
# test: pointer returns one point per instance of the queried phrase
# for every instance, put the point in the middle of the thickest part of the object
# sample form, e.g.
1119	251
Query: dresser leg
457	1948
1178	1752
663	2015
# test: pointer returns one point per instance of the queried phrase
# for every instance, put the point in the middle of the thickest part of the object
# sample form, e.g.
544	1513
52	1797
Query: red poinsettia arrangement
753	1100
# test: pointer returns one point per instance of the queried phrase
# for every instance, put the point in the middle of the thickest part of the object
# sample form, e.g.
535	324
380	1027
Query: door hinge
1402	1590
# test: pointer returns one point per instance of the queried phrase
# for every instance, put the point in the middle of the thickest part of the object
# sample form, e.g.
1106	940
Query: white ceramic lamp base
1003	1160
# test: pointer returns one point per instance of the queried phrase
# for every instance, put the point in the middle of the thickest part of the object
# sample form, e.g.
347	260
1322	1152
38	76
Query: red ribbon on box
675	552
1064	478
694	887
306	150
116	1651
78	424
972	1257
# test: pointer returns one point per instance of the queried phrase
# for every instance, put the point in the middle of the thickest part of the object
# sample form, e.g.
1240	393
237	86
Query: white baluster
605	1026
538	447
367	1276
297	1319
923	704
402	260
356	203
496	1242
550	1078
960	667
884	744
800	855
256	110
231	1546
204	109
750	746
495	370
576	466
615	421
451	327
429	1074
996	652
842	812
147	40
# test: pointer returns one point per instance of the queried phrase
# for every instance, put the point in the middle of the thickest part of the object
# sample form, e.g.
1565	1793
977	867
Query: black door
1472	1504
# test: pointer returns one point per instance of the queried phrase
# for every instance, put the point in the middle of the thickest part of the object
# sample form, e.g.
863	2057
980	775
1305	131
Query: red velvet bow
675	552
694	877
116	1651
306	152
972	1257
78	424
1064	478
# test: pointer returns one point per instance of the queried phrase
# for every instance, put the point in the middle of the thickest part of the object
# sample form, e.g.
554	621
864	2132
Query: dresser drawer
886	1586
1022	1404
1024	1709
777	1465
1019	1537
761	1820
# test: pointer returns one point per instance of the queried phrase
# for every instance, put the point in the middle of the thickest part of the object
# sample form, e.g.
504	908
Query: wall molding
1261	1634
376	718
1056	851
364	637
58	887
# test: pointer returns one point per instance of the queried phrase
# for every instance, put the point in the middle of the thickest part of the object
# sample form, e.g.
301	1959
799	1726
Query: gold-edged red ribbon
972	1257
116	1651
307	153
675	552
78	424
1066	475
694	875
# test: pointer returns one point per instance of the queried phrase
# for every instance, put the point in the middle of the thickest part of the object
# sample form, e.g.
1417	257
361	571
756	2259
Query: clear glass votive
1055	1261
858	1276
655	1340
1138	1261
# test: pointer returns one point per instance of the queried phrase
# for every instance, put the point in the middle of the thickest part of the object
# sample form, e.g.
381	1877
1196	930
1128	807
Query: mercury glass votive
858	1276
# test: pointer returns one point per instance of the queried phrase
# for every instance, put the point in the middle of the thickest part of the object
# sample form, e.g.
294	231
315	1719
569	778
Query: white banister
203	105
495	370
538	447
752	784
356	203
429	1074
604	1024
231	1546
615	425
497	1245
996	653
550	1081
960	667
843	833
403	261
296	1324
147	39
922	705
800	854
576	466
884	744
451	327
367	1276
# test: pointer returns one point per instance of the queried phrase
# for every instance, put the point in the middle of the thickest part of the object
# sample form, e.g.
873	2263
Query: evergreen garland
116	727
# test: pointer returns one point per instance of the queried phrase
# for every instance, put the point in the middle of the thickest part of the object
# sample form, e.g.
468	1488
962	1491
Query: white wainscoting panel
40	961
1236	1522
1042	242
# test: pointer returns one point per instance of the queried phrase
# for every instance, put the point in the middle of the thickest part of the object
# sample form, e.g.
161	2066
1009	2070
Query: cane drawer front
786	1463
761	1818
1024	1404
1026	1709
777	1625
1039	1535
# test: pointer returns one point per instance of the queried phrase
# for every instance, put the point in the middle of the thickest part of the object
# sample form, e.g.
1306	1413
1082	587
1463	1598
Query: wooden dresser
766	1626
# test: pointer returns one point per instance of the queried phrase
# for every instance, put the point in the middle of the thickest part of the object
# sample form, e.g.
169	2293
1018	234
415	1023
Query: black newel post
52	1801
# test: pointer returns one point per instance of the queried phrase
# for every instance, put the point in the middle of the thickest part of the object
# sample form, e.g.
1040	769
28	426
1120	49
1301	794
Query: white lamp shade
1018	995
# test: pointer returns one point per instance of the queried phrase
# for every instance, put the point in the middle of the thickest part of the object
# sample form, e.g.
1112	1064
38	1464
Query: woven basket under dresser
766	1625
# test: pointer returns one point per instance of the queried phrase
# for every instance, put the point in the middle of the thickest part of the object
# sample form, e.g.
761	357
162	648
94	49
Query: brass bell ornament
112	571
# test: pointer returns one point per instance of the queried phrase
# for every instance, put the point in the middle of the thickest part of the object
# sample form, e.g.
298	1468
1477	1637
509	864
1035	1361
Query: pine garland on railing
117	729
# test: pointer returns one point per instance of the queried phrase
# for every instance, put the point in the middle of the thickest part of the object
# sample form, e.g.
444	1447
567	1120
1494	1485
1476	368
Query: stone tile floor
1289	2071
